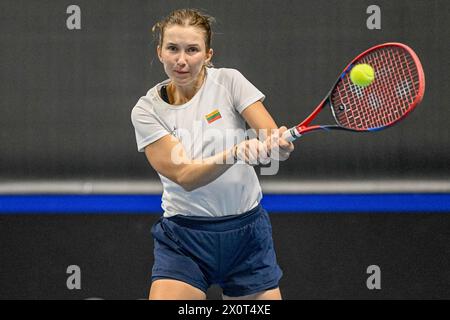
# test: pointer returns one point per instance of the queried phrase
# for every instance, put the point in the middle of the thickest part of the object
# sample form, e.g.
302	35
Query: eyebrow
189	45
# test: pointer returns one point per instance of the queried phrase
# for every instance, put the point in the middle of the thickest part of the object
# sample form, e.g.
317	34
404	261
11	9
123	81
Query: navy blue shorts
235	252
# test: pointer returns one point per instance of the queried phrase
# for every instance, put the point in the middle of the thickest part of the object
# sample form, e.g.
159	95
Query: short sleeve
243	92
147	126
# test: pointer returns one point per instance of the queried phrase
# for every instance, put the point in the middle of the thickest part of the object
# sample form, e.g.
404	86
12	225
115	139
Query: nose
181	61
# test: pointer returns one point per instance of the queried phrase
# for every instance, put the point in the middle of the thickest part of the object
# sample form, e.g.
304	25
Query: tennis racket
398	87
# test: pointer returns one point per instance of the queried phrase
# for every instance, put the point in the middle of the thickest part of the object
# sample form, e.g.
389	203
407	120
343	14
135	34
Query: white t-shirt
207	124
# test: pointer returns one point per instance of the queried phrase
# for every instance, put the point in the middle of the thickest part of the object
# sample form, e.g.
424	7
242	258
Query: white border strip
278	187
368	186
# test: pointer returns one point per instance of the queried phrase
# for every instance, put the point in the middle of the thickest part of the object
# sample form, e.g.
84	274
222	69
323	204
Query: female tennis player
214	229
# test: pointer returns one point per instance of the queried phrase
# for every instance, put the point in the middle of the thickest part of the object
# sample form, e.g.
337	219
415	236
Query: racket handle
291	134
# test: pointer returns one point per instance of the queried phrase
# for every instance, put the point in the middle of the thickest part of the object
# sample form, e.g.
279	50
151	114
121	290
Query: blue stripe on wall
304	203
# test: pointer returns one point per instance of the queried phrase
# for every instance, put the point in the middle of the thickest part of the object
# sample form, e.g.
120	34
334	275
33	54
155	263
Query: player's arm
168	157
259	119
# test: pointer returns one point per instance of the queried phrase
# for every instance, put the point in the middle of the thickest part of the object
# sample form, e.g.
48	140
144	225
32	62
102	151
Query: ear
158	52
209	55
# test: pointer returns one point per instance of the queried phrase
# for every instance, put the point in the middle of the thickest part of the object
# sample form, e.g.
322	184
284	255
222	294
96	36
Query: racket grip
291	134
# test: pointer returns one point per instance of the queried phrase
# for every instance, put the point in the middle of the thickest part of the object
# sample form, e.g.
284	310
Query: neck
180	95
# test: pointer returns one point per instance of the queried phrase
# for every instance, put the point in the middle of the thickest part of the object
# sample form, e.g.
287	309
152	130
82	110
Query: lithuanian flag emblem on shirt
213	116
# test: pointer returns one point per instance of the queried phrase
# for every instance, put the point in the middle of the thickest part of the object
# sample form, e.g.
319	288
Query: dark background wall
323	256
67	94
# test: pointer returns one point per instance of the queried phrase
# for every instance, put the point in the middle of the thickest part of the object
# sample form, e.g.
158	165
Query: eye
193	49
171	48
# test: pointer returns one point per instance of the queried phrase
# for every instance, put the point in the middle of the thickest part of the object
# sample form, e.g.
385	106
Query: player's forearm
199	173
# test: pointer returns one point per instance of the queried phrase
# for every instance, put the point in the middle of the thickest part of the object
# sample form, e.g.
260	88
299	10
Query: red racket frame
303	128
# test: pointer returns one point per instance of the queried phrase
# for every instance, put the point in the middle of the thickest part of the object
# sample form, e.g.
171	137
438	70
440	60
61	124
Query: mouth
181	72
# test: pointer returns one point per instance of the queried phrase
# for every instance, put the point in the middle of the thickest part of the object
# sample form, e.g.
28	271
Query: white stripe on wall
280	187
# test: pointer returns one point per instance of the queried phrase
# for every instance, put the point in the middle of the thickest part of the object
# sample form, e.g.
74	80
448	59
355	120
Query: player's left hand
280	149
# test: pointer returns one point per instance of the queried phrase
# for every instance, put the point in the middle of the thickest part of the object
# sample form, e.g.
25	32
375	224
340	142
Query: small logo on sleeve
213	116
174	132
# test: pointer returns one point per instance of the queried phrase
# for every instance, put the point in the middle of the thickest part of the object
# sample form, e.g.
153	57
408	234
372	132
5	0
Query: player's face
183	54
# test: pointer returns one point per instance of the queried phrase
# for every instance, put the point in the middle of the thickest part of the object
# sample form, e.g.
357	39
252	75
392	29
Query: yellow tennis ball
362	75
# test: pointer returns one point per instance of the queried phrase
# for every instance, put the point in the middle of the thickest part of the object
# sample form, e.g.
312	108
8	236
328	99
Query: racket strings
386	100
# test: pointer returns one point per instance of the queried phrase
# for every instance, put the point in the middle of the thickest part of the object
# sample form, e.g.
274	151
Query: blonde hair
186	17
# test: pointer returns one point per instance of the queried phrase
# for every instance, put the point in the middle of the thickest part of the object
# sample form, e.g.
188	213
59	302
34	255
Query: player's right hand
252	152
